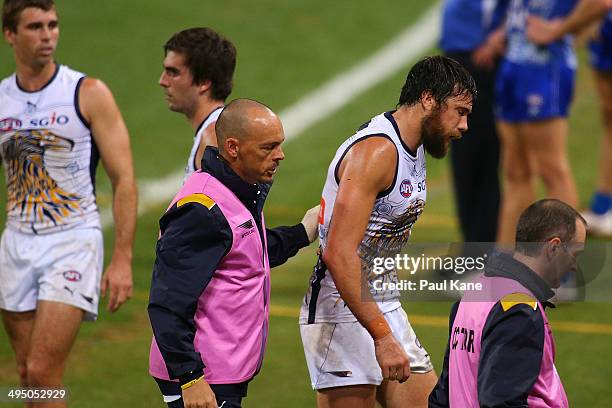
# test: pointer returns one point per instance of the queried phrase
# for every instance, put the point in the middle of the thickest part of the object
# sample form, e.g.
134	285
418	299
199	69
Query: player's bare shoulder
95	96
374	157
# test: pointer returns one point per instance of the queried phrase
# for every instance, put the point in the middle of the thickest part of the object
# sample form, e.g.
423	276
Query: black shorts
227	395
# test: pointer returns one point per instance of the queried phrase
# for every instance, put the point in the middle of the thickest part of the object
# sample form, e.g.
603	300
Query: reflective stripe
203	199
514	299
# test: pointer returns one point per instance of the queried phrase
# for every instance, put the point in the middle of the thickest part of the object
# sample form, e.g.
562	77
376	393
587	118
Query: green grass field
285	50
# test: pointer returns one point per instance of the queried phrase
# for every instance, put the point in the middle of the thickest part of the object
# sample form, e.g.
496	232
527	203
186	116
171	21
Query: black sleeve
512	345
439	395
285	242
194	240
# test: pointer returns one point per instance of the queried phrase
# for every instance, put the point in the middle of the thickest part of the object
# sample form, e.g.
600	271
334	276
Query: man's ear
231	147
9	36
204	87
552	247
427	101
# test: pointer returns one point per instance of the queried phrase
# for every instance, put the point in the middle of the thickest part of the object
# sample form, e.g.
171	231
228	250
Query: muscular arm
541	31
585	12
112	140
367	169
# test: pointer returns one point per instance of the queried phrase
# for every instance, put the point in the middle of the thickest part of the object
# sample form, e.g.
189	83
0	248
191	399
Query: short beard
432	135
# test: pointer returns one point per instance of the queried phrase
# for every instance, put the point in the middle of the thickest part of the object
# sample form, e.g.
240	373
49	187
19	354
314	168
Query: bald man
210	291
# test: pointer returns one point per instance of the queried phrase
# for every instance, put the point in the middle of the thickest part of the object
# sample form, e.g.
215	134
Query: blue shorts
600	50
526	93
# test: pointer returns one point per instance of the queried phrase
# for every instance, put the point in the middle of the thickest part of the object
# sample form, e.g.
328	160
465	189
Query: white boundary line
323	101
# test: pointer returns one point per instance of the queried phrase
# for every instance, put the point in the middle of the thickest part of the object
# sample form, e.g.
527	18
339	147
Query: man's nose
280	155
163	80
463	124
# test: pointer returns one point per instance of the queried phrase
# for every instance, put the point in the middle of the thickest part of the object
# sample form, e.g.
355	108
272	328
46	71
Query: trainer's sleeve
194	240
511	355
285	242
439	395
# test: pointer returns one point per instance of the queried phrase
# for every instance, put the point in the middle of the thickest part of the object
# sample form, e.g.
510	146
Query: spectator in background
599	215
534	88
472	34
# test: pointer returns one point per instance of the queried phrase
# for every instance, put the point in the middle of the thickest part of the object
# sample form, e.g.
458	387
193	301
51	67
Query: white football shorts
341	354
63	266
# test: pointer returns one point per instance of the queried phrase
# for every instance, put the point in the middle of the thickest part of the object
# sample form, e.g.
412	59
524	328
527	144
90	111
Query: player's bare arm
544	32
111	136
367	169
493	48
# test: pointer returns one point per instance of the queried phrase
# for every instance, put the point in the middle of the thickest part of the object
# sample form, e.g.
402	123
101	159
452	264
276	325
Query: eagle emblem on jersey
388	240
32	193
396	234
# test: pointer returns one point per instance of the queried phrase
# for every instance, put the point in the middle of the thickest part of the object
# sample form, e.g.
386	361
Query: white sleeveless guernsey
394	213
197	139
48	155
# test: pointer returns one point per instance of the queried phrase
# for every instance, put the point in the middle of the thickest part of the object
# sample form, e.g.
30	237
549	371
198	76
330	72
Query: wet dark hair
209	57
11	11
442	76
542	221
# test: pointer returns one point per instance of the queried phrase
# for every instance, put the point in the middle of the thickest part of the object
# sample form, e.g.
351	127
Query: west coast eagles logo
32	193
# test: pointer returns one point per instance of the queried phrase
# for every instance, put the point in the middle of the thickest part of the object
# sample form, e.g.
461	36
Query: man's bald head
249	136
242	119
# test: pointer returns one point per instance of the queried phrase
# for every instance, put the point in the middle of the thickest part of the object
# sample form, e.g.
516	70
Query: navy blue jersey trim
319	271
385	191
388	191
195	166
94	155
57	68
390	118
365	125
94	158
206	118
77	106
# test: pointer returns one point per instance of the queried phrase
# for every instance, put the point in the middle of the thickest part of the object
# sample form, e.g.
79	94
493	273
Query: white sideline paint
323	101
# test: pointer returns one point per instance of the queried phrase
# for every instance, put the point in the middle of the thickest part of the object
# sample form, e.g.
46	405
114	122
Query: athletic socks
601	203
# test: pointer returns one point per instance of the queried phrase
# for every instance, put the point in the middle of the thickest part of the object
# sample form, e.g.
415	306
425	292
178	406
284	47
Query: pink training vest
232	313
471	316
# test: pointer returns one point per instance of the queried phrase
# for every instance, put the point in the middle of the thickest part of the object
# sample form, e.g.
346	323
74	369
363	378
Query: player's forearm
354	290
585	13
497	39
125	204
